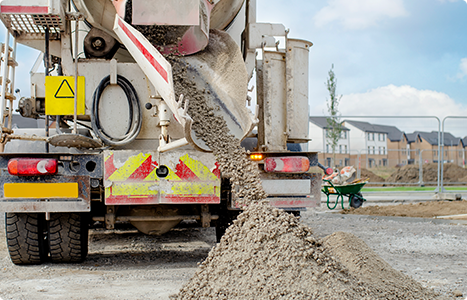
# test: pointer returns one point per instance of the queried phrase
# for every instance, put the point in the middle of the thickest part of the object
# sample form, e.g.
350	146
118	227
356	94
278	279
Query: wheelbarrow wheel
356	200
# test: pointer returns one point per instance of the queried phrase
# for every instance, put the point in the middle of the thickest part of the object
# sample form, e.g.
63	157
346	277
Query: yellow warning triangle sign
64	90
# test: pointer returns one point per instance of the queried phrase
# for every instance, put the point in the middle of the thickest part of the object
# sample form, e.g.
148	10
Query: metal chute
218	69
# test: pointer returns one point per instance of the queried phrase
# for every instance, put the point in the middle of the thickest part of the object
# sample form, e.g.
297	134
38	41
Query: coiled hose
135	113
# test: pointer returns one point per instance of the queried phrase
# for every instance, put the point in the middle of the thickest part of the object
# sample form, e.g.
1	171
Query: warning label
65	90
60	95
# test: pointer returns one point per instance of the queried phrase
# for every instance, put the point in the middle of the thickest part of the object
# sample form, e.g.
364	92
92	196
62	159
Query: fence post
359	169
420	167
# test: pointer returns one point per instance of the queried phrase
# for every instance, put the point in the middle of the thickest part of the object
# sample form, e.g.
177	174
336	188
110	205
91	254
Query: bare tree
333	133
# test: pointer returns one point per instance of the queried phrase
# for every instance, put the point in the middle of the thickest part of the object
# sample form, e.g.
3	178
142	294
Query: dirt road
129	265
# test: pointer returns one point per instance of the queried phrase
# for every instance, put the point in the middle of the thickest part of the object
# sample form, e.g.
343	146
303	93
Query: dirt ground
125	264
454	209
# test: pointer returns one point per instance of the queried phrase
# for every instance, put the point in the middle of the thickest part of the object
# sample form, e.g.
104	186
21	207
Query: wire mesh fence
402	166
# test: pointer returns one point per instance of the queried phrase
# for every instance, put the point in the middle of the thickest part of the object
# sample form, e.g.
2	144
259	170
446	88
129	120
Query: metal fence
402	166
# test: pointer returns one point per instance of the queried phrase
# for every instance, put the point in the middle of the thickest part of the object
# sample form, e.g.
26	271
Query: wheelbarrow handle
330	182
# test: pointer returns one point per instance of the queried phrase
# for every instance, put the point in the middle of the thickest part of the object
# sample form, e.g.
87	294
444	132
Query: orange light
256	156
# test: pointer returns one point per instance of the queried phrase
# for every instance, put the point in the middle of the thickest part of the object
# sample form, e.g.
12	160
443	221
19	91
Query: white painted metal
291	187
6	54
153	64
113	71
274	104
297	89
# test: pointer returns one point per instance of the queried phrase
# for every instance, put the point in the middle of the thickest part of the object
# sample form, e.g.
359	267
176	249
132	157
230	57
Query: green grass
411	189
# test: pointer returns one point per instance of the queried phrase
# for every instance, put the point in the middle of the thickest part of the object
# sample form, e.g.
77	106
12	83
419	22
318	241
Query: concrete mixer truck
118	144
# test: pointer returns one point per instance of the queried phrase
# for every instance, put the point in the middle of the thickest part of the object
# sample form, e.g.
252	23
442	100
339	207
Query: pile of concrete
267	253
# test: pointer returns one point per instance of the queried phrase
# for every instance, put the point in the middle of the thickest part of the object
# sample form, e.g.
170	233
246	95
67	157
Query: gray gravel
129	265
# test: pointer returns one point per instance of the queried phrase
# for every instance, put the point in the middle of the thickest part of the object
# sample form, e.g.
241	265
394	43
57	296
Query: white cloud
405	100
462	67
359	14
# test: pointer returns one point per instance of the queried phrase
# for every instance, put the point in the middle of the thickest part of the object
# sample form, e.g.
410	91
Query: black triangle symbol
69	87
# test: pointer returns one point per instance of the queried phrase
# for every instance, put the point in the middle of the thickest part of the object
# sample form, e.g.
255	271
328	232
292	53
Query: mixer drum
178	35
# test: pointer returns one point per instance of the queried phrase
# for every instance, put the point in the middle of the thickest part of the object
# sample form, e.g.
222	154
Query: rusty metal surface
80	168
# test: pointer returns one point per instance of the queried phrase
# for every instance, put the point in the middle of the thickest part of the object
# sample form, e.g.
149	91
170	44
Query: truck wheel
68	237
25	238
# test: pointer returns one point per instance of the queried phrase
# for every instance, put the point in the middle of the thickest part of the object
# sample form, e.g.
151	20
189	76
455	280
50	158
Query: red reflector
32	166
290	164
329	171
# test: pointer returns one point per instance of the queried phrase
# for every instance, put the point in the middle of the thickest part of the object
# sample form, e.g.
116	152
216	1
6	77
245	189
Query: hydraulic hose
135	113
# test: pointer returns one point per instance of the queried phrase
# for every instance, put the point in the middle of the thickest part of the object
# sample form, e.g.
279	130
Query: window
343	134
379	151
371	136
345	149
381	137
340	148
369	150
327	148
384	150
374	150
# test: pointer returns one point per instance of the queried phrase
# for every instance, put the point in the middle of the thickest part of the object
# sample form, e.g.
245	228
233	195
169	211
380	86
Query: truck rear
126	88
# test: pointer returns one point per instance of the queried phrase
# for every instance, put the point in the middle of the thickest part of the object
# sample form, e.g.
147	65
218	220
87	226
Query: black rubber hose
135	113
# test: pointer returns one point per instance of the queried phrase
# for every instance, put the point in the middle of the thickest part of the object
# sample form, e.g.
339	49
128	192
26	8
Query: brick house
318	132
397	145
424	147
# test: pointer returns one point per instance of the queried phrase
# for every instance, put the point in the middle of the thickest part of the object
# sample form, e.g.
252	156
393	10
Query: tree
334	130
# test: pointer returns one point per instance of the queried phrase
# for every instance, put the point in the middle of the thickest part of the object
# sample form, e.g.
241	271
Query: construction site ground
124	264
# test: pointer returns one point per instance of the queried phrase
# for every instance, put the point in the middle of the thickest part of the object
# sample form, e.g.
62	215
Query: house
397	146
369	141
319	132
424	147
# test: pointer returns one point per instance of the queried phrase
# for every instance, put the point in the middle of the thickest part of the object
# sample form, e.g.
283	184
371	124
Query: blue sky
391	57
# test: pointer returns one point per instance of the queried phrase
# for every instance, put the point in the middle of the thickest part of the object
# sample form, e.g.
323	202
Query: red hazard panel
137	178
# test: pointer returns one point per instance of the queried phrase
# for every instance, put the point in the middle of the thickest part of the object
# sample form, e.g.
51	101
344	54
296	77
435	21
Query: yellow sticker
60	95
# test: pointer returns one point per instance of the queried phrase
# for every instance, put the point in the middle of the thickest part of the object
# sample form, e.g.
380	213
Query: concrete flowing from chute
267	253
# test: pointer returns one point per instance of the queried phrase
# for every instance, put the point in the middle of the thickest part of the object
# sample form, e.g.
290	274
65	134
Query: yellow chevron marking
200	170
130	166
172	176
107	157
135	189
192	188
152	176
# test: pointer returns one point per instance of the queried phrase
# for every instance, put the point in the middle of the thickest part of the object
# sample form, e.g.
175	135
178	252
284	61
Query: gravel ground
127	265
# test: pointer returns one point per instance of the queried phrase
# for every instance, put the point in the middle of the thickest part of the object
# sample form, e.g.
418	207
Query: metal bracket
205	216
110	217
113	71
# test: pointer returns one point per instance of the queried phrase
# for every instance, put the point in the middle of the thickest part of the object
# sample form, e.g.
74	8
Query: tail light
290	164
32	166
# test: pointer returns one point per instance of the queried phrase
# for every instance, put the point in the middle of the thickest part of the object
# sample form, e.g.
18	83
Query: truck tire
68	237
25	238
